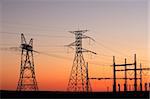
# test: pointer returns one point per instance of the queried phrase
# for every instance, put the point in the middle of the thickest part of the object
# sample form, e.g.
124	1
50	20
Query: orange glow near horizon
53	74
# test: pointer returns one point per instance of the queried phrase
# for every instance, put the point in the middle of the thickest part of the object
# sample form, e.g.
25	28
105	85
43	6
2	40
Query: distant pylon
27	80
78	77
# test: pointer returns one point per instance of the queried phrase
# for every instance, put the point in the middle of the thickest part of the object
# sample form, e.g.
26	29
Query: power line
56	56
39	52
100	64
31	26
38	35
108	48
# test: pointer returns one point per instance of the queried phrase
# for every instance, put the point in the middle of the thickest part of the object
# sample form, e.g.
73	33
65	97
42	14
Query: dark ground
58	94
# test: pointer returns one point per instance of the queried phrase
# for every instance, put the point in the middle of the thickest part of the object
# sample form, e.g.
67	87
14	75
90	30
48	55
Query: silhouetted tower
78	77
125	84
27	80
140	77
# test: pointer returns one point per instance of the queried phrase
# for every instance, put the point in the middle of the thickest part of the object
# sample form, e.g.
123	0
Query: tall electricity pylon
27	80
78	77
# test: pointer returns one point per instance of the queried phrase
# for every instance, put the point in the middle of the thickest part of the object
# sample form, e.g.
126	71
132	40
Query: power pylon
78	77
27	80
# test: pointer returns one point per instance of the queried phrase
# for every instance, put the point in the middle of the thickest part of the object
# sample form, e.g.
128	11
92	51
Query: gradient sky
120	28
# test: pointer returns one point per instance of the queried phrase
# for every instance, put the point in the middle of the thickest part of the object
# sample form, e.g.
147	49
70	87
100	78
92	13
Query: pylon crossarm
78	31
72	44
85	50
84	37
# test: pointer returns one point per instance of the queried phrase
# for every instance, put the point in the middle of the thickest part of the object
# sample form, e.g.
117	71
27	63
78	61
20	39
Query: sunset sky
119	27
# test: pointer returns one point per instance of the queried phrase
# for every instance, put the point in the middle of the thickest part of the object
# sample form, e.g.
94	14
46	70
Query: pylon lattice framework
27	80
78	78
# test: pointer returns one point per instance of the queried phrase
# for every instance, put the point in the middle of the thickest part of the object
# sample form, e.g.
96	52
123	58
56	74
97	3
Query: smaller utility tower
78	81
27	80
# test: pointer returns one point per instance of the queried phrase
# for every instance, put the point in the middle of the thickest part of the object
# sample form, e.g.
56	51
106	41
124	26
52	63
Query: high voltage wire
99	64
108	48
104	55
13	33
16	24
6	44
53	36
56	56
34	28
100	44
108	56
50	46
39	52
43	46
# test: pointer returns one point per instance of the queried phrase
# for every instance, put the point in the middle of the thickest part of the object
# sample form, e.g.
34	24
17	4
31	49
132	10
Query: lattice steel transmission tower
78	77
27	80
